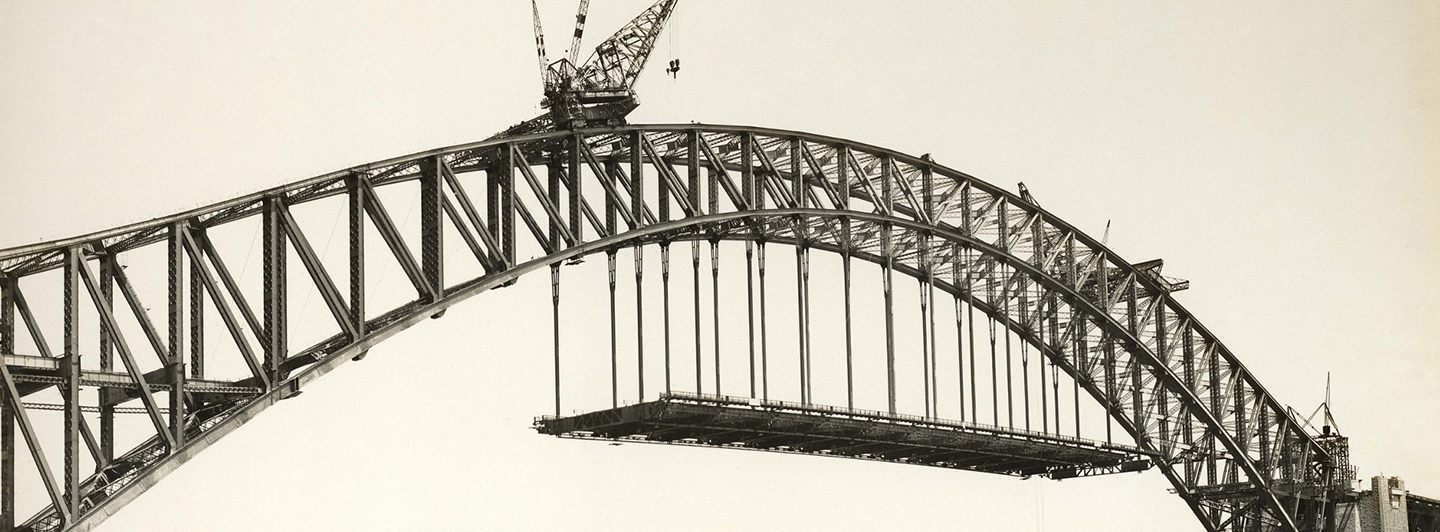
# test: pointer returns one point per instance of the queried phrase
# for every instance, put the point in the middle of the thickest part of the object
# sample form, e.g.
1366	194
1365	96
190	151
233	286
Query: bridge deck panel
727	422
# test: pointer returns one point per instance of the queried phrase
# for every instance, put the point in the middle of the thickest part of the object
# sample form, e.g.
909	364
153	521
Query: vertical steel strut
356	226
14	411
70	373
7	413
176	366
273	256
197	340
107	410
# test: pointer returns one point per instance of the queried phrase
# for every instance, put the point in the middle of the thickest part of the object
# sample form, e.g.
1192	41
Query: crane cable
673	65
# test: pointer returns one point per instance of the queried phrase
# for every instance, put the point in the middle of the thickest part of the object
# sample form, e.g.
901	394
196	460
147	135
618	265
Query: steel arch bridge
1235	454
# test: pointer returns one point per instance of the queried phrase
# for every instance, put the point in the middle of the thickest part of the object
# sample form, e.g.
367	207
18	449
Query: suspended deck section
777	426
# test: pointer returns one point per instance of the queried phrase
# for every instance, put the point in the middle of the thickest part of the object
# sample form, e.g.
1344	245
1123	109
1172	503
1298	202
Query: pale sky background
1283	156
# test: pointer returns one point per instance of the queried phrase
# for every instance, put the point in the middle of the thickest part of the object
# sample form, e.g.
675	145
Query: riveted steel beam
7	412
32	441
275	291
122	348
391	234
490	261
70	383
1149	347
557	222
432	233
227	316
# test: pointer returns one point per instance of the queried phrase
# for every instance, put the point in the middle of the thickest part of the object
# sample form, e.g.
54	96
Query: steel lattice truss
1232	451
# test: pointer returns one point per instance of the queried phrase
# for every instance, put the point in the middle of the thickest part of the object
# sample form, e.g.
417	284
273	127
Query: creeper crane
600	91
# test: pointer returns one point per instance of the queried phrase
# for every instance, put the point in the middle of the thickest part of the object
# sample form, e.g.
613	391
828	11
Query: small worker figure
674	69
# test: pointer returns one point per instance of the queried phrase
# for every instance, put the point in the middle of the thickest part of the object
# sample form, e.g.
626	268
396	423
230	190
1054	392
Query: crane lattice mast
600	91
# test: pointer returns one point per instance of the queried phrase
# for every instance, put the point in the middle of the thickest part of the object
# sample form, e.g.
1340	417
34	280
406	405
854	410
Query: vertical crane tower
600	91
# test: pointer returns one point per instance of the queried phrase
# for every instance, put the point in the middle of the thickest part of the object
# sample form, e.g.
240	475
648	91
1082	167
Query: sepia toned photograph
657	265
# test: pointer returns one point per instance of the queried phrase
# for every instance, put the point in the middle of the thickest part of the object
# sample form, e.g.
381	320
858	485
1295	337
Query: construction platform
778	426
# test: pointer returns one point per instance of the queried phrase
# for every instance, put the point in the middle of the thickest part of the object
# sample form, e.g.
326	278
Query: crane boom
540	42
617	62
579	30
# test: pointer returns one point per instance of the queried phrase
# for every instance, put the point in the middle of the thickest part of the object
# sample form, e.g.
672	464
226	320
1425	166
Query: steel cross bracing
1237	457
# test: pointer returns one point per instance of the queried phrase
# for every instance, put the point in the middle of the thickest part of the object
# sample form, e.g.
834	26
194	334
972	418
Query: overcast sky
1283	156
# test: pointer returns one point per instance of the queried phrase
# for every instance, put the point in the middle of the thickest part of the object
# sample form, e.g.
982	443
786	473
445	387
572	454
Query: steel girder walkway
1233	452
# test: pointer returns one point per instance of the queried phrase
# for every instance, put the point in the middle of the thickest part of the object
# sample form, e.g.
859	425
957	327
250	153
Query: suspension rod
665	289
809	351
750	307
970	324
1080	347
994	366
640	321
929	295
960	355
1009	362
1110	362
695	282
715	305
1079	343
1025	377
802	320
924	346
614	349
1055	385
889	266
764	337
555	327
849	338
959	339
1054	369
1040	338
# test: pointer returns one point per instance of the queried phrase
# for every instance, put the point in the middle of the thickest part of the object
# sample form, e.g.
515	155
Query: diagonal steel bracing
1229	448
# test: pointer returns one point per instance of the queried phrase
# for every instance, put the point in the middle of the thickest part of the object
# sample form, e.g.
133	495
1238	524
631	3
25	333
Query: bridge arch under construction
1239	459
